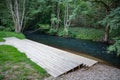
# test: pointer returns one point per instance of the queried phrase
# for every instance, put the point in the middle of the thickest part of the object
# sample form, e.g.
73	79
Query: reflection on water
96	49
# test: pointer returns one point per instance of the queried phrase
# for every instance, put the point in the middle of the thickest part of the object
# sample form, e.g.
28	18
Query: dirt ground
96	72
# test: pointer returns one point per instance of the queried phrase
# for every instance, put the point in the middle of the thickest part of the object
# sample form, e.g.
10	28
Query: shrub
1	77
64	34
115	47
43	27
52	32
61	33
3	28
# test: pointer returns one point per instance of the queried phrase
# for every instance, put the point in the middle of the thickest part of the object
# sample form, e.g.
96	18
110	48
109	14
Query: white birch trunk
17	13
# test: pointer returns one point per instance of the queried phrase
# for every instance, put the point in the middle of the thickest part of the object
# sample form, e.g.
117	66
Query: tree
17	10
113	19
106	30
70	11
108	5
58	14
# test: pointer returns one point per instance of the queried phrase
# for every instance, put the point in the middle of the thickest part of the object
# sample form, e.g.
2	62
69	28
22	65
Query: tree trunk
106	34
107	28
66	18
17	11
58	16
52	22
18	26
23	14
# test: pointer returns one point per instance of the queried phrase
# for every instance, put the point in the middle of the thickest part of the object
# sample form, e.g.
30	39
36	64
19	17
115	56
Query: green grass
4	34
14	65
87	33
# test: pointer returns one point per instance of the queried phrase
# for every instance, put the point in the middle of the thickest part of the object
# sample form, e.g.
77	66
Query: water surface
95	49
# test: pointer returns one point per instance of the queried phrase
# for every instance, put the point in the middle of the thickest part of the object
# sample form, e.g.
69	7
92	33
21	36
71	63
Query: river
87	47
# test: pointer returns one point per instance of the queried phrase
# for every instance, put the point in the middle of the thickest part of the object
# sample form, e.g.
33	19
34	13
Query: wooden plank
55	61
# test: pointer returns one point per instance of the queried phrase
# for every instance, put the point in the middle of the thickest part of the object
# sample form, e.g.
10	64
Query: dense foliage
113	19
57	17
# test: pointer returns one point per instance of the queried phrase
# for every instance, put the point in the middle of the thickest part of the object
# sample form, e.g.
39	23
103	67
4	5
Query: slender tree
58	14
17	10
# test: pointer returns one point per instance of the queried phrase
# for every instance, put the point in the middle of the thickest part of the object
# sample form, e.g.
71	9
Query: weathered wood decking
55	61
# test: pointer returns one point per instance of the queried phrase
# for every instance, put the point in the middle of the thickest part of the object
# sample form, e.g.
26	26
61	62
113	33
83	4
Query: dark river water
95	49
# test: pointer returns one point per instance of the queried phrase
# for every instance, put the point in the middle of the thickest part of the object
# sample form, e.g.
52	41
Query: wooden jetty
55	61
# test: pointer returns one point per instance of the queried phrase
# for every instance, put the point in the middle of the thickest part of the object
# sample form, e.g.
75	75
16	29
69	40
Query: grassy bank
15	65
4	34
87	33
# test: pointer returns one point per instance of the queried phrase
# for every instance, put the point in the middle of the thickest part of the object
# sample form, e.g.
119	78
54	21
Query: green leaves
113	19
41	1
44	26
115	47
